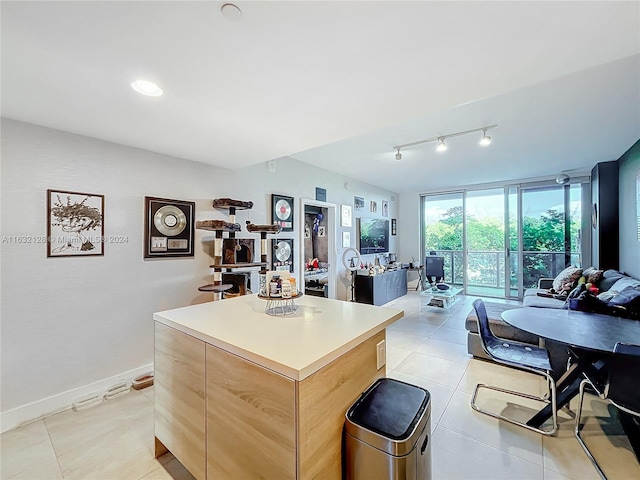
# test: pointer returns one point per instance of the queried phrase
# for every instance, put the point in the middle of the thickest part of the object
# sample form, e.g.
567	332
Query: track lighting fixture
486	139
442	146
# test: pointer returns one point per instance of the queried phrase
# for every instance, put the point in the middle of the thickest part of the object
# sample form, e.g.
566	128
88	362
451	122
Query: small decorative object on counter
281	293
262	281
275	286
286	289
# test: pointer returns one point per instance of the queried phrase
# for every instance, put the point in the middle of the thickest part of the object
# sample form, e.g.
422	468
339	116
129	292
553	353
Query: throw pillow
626	296
624	282
592	275
566	279
609	277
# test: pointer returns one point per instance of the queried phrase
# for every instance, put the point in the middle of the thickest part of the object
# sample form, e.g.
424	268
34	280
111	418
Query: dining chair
522	356
619	388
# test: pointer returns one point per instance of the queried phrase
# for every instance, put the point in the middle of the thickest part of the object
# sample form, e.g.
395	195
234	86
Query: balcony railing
487	267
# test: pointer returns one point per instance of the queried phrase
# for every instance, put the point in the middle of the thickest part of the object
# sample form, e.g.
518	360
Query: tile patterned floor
427	347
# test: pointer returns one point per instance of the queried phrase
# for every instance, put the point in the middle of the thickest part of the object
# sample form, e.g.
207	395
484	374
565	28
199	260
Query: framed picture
282	254
385	208
322	231
346	239
345	215
394	226
358	203
638	201
75	224
373	206
282	212
169	229
321	194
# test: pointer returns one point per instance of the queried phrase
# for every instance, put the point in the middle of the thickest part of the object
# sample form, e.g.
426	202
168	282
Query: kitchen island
242	394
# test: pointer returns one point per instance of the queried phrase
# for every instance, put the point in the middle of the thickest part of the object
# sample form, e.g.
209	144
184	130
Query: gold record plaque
170	228
282	210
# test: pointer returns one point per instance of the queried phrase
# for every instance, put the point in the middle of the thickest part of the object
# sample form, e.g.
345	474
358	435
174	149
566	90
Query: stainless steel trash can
387	433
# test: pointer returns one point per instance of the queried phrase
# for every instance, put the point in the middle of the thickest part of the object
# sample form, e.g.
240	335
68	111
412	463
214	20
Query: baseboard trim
62	401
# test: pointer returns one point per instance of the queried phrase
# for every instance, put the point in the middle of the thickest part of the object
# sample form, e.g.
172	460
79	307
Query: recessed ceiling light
143	87
231	11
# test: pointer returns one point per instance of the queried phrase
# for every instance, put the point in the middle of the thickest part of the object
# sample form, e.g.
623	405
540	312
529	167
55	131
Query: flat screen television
373	235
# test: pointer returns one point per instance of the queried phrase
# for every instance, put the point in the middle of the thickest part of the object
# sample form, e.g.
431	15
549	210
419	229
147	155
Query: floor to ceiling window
499	241
551	230
443	233
485	238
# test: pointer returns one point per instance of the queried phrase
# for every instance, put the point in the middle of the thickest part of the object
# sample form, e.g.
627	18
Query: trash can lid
390	408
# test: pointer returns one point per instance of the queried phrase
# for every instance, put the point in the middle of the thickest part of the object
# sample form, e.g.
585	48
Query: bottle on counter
262	281
286	288
274	286
294	289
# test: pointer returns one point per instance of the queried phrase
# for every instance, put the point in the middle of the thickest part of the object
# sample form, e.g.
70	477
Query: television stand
381	289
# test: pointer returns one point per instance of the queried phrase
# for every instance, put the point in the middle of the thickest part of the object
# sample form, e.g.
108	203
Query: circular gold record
170	220
283	251
283	209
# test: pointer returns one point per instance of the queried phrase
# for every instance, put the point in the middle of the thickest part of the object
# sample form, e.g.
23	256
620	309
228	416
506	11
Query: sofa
611	283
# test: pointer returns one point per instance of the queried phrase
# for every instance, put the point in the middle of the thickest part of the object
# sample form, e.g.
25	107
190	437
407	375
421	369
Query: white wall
70	322
299	180
409	224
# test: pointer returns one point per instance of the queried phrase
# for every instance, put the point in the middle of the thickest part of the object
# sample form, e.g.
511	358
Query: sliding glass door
443	232
498	241
485	240
551	230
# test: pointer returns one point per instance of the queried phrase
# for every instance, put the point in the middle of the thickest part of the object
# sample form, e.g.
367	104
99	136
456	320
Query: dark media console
380	289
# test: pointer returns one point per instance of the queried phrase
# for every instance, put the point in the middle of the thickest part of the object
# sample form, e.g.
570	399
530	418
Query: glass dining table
590	337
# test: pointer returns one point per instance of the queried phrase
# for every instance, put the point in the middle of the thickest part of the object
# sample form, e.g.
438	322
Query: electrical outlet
381	354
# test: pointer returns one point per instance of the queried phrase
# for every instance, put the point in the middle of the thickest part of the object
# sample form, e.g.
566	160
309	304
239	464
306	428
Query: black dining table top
592	331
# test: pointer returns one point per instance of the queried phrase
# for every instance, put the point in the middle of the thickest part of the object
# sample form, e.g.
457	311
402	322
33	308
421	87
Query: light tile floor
427	347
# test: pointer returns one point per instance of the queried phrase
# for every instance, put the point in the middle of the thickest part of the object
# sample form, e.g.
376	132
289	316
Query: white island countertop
296	345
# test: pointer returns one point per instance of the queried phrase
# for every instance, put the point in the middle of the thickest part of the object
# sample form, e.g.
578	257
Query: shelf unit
219	227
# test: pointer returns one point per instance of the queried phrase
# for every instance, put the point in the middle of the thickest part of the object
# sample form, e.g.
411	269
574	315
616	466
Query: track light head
441	145
398	155
486	139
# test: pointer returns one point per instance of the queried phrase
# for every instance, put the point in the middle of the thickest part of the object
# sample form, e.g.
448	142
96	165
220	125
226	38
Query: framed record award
282	254
282	208
169	230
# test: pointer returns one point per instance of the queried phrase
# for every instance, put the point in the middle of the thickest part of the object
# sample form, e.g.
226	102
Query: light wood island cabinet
241	394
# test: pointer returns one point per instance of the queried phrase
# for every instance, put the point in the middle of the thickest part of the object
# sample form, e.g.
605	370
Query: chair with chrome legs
525	357
619	387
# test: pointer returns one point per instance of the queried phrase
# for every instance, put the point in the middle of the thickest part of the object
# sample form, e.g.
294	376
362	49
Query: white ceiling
337	84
